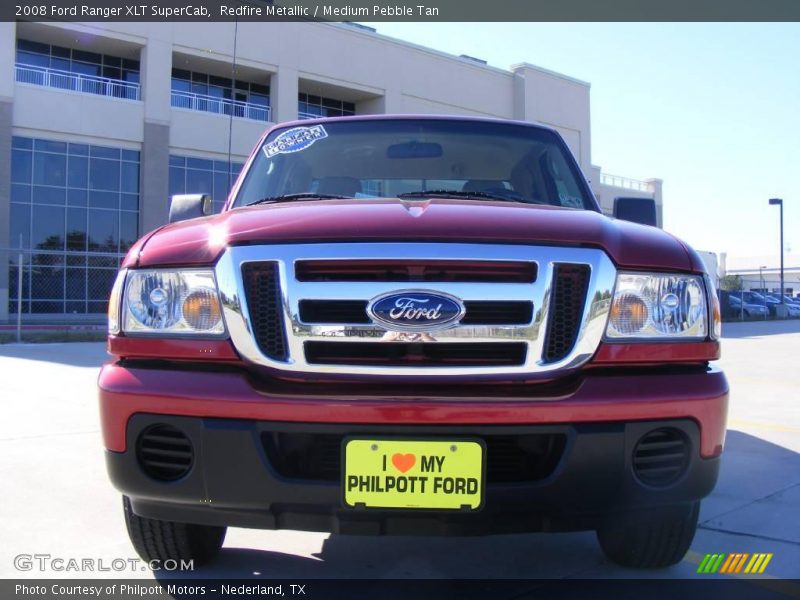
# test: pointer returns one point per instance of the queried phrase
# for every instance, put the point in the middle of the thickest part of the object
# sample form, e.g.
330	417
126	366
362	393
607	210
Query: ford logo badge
415	310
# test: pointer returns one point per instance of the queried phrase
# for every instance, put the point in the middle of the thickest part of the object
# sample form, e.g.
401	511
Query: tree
731	283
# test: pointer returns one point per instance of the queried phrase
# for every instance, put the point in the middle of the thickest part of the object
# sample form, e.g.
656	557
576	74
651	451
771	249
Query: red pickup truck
412	325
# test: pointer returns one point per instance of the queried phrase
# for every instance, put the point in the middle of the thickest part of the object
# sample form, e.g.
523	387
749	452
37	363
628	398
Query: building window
311	107
209	93
189	175
75	207
77	70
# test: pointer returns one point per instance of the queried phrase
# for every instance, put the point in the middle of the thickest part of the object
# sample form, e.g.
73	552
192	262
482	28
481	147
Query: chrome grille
526	318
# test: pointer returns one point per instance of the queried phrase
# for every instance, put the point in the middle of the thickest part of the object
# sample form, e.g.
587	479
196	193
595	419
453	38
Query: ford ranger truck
412	325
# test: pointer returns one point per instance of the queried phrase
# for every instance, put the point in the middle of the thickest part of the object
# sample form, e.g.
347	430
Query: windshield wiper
303	196
463	194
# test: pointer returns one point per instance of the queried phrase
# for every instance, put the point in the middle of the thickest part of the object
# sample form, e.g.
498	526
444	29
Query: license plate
387	473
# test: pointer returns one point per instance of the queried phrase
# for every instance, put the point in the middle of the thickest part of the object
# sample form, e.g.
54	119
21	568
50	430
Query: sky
712	109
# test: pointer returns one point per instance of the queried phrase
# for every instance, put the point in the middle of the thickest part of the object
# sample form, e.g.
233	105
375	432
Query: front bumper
234	482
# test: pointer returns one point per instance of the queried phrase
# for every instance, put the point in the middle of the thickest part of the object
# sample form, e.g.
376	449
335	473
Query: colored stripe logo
735	563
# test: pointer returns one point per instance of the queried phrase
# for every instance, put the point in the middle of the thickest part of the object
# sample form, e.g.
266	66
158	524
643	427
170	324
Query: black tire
648	539
162	540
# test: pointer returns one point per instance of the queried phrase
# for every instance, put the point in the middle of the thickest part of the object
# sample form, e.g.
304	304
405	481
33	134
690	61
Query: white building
101	122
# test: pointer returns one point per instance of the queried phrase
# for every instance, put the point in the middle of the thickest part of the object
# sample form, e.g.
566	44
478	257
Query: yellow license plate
442	474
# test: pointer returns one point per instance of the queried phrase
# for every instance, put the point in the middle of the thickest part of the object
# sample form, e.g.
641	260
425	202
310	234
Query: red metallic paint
126	391
172	348
201	241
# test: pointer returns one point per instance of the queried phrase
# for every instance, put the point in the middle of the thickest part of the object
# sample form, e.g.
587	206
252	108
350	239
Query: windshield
414	159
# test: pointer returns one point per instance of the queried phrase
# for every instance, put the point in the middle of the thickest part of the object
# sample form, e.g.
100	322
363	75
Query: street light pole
779	202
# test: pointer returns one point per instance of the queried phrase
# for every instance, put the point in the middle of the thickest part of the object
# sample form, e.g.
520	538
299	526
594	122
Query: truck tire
162	540
654	538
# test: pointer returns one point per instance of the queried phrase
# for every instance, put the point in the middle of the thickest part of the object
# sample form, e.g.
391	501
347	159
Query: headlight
171	302
654	306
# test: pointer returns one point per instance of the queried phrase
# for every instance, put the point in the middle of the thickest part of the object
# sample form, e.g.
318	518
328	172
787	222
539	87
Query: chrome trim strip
592	327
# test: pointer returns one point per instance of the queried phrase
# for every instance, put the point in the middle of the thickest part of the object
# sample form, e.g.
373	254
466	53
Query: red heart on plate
403	462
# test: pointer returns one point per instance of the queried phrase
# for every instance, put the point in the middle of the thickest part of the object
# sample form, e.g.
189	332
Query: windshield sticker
294	140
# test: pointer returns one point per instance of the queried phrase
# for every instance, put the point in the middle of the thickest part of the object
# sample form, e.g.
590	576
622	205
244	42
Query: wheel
162	540
653	538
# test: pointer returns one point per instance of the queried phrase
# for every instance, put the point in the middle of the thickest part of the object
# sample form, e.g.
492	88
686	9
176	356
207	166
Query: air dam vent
164	452
661	457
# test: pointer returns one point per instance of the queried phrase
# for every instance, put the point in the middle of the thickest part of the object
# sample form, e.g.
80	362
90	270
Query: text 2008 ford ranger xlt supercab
412	325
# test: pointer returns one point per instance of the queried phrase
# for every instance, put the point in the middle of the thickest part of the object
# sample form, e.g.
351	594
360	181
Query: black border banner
401	10
749	588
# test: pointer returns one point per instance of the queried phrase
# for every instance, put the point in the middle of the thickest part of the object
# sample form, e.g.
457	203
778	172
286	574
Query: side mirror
637	210
189	206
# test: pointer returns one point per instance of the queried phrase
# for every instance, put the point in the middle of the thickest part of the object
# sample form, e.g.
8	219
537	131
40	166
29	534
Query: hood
201	241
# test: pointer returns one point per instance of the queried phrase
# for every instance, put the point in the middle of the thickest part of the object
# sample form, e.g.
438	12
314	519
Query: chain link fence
55	287
758	299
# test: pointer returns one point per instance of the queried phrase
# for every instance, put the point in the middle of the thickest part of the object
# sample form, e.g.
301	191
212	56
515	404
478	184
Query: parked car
746	309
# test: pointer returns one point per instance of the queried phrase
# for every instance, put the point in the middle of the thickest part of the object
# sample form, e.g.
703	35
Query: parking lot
58	500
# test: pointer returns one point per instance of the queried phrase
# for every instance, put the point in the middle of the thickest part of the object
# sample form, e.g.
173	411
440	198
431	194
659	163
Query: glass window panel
130	76
129	201
76	197
133	65
259	100
80	149
76	260
222	82
199	163
129	177
100	283
76	284
177	161
88	57
50	146
60	64
103	174
33	46
104	152
49	169
85	69
110	262
181	85
78	172
200	88
128	230
181	74
48	195
198	181
177	183
103	231
104	199
20	226
60	51
21	166
111	61
22	143
76	229
112	72
257	88
220	186
131	155
47	228
20	193
32	59
199	78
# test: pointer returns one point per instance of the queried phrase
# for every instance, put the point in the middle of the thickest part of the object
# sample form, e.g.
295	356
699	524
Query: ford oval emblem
415	310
